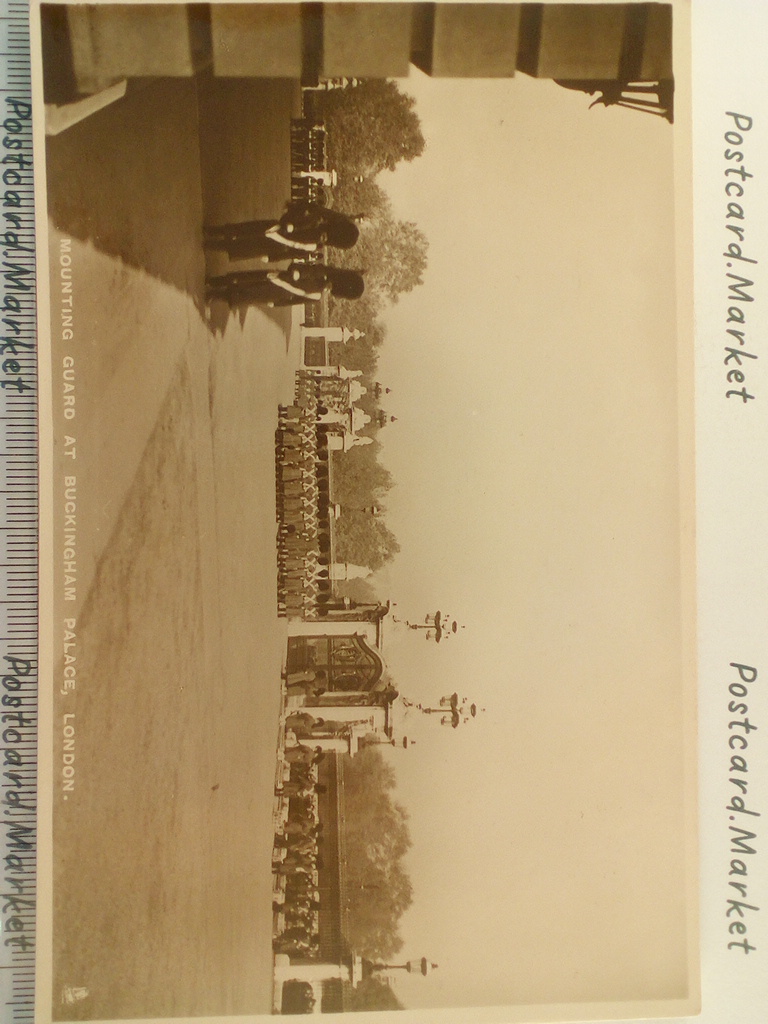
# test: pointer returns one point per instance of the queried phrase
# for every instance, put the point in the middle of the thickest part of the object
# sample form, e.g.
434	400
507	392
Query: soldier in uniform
304	228
300	282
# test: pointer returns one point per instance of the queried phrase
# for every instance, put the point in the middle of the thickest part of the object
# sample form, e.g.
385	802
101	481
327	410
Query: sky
536	459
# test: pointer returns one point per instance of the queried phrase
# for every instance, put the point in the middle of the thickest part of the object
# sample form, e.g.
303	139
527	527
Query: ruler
18	521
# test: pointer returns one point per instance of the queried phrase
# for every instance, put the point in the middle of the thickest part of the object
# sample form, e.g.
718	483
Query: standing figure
301	282
303	228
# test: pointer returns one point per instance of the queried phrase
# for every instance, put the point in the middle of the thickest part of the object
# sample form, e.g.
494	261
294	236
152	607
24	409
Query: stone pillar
257	40
110	42
466	40
572	41
366	40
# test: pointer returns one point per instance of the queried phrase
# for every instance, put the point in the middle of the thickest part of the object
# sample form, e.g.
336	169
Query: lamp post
423	966
437	627
453	710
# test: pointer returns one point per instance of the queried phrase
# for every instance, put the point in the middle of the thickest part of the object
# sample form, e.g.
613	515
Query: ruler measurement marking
19	501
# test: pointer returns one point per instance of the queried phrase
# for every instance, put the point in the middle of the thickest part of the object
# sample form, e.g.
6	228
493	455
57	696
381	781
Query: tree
394	255
360	312
399	251
376	839
353	195
371	127
359	482
359	353
360	591
363	539
359	479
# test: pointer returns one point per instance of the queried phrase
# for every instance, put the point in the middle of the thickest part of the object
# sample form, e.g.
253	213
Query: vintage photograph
372	680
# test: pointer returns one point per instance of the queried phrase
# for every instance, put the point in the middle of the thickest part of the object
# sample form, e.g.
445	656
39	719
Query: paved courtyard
162	883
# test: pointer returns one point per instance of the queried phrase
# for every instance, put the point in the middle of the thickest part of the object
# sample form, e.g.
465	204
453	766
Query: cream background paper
551	1012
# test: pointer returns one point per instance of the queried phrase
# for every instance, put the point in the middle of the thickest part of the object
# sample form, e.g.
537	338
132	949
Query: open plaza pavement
162	848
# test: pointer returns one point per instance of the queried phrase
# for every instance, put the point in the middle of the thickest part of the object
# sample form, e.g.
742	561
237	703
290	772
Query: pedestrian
300	887
301	754
295	841
295	859
294	787
301	722
300	844
306	683
299	828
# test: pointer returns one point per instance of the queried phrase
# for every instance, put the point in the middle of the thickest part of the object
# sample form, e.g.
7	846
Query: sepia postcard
368	672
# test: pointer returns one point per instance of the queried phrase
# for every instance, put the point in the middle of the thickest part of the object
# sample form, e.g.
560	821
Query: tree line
370	128
378	889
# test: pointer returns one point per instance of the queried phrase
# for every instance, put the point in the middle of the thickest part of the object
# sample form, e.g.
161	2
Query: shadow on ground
139	178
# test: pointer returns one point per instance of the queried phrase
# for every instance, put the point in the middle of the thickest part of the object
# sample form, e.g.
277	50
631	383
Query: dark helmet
341	232
346	284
